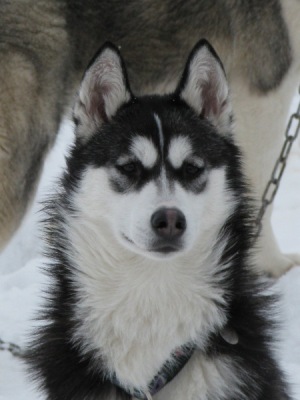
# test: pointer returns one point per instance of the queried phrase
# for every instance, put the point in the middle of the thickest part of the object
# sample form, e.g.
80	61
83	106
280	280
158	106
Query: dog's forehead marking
180	149
160	132
144	149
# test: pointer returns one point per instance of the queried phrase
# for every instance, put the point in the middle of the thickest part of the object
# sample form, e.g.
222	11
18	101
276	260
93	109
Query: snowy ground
21	281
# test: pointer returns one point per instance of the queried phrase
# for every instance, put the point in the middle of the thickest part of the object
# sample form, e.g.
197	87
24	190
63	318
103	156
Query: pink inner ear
211	103
101	110
97	104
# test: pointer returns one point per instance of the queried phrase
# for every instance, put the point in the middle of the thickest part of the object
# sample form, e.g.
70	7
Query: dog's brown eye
192	170
129	168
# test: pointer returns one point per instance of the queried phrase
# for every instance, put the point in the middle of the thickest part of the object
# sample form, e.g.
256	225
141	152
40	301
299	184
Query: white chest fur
133	312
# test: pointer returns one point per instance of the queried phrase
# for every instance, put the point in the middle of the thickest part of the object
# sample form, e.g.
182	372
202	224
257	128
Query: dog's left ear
204	87
104	88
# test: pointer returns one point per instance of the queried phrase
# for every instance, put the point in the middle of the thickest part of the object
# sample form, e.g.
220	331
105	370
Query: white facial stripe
160	132
164	186
180	149
145	151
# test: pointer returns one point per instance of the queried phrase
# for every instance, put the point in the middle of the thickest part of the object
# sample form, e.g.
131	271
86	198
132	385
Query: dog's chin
159	251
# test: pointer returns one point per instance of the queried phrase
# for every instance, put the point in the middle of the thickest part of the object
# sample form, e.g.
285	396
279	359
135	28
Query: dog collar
172	367
169	370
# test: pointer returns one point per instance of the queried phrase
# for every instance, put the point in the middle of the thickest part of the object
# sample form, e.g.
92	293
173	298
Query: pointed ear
204	87
104	88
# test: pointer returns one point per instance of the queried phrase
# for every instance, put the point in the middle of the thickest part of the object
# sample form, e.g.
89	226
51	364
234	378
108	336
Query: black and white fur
149	238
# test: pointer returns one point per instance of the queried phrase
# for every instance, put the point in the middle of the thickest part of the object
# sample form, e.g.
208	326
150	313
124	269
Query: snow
21	281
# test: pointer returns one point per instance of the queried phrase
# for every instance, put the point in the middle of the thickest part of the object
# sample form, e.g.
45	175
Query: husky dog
45	47
149	235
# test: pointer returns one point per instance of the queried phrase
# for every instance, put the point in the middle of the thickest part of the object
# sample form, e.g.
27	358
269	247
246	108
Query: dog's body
149	239
44	49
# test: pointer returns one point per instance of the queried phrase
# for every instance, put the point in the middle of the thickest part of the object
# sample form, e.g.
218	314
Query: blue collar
173	366
169	370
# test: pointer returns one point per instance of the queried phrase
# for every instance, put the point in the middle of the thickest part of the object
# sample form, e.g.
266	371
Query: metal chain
291	133
13	348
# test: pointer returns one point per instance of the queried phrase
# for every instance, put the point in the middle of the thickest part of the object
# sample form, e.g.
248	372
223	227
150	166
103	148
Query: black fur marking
136	119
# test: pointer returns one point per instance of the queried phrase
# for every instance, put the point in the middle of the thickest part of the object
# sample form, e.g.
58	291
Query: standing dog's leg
34	54
261	123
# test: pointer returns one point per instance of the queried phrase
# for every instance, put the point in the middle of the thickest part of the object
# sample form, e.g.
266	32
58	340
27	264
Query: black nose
169	223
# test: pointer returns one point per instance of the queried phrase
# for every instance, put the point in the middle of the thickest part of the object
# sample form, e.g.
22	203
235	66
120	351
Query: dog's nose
169	223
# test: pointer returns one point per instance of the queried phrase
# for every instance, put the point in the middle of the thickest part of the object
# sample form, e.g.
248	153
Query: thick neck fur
129	308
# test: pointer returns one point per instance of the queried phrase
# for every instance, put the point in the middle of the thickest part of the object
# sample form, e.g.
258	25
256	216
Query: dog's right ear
104	88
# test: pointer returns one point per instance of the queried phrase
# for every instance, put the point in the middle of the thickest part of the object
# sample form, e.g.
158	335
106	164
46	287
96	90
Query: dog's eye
192	170
129	168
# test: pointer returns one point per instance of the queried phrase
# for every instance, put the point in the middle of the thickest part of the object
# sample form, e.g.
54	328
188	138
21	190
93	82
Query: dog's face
154	167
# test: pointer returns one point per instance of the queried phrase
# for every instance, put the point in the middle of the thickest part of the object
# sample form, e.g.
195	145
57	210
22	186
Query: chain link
13	348
291	133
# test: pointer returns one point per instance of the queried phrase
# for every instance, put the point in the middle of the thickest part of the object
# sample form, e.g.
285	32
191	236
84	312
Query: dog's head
152	172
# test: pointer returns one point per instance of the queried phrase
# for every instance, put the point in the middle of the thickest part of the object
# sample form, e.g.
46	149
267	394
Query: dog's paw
269	258
275	266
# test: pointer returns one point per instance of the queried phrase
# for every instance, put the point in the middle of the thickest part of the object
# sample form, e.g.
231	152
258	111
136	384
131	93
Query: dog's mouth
127	239
162	247
165	249
165	246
